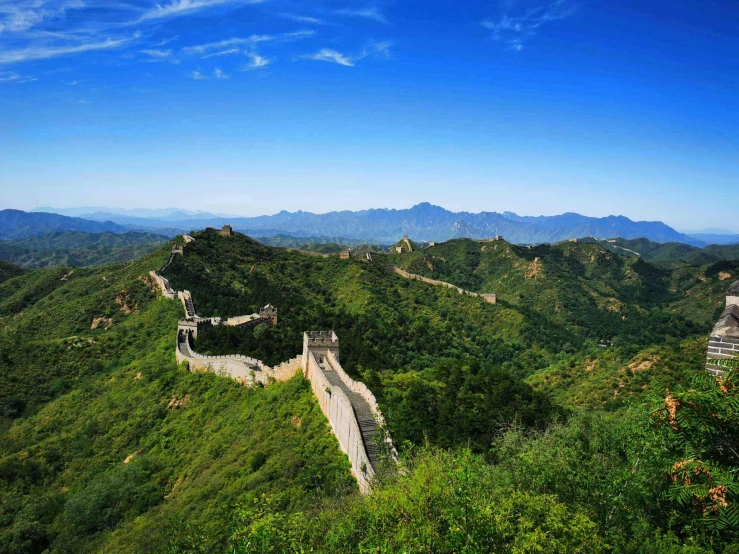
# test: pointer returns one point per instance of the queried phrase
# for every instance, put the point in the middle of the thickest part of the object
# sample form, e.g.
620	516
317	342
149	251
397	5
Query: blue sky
250	107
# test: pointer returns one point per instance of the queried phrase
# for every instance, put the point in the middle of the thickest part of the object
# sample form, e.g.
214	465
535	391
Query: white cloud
257	62
203	49
158	55
218	74
184	7
41	53
304	19
327	55
516	30
222	53
368	13
15	78
377	50
197	76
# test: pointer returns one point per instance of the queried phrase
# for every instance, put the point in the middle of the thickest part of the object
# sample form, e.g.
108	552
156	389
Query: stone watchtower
724	340
319	343
226	231
269	312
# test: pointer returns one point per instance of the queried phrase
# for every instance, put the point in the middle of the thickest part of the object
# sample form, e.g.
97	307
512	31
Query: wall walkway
486	296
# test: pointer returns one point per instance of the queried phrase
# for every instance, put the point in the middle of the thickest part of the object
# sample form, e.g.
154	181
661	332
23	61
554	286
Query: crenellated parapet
723	343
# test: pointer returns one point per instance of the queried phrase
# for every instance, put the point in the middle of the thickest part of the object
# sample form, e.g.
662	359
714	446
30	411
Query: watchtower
732	299
269	312
724	340
226	231
320	343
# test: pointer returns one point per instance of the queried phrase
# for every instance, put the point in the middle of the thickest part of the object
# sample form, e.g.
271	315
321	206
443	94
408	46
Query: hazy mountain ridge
16	224
423	222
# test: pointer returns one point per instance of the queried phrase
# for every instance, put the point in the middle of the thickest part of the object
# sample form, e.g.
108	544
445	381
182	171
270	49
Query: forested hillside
523	426
109	446
8	270
672	254
79	249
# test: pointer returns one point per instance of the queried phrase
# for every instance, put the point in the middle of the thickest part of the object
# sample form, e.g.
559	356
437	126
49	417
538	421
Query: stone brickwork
488	297
723	343
338	409
163	285
244	369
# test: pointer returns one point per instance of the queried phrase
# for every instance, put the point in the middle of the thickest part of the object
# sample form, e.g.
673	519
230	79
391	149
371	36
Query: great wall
486	296
349	406
723	344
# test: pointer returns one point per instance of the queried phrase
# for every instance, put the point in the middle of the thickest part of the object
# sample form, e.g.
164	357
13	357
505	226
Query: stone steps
362	411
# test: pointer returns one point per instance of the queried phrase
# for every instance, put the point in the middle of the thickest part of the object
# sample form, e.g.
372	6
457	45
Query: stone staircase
189	307
365	418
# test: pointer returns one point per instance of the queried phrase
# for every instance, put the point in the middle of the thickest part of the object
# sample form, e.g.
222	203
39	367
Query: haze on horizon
251	107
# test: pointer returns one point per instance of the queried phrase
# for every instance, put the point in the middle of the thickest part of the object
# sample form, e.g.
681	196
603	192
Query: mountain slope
672	254
75	248
15	224
8	271
107	444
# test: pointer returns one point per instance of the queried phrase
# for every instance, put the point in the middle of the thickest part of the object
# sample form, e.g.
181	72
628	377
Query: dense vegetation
8	270
672	254
79	249
573	416
107	443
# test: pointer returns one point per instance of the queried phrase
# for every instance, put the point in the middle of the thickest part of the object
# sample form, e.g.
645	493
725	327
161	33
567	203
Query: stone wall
243	369
340	414
723	343
319	347
722	348
163	285
486	296
362	390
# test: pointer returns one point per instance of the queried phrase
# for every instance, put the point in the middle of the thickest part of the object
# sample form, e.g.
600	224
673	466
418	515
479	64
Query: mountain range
423	222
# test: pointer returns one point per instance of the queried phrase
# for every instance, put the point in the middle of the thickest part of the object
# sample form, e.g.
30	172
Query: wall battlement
723	343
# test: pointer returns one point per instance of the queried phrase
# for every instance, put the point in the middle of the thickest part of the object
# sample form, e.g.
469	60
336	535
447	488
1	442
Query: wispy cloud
377	49
218	75
204	49
158	55
41	53
305	19
516	30
185	7
328	55
228	52
256	62
15	78
371	12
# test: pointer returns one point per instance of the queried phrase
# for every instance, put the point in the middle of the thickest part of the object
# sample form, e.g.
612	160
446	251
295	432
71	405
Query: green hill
79	249
8	271
107	443
520	424
671	254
